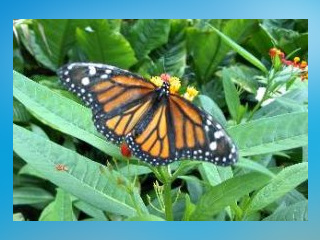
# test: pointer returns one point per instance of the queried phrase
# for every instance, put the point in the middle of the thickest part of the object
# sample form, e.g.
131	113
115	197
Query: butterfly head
165	88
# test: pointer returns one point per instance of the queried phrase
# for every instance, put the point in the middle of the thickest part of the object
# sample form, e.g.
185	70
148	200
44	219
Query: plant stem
168	201
166	180
264	97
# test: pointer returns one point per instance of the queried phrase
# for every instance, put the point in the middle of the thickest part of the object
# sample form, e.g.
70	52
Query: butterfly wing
177	129
118	98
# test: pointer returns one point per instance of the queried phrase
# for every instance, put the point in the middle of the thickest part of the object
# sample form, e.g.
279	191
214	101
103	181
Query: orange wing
177	129
118	98
150	139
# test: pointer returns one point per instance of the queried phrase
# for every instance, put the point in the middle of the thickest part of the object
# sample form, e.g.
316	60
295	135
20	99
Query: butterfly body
158	126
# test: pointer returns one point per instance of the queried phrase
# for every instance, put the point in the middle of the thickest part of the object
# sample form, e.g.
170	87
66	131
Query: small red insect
125	151
61	167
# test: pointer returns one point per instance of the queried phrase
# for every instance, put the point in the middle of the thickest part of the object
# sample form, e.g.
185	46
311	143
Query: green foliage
101	43
64	170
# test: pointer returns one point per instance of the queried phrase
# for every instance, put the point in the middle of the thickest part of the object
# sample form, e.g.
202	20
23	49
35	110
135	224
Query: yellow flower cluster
156	81
175	85
191	93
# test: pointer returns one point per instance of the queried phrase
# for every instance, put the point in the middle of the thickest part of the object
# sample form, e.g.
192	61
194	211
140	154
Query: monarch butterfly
158	126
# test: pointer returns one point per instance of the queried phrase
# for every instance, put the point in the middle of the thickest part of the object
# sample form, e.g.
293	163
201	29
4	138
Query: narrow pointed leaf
81	177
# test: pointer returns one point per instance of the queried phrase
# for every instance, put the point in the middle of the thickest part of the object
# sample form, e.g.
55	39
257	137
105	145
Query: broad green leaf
90	210
273	134
184	167
18	217
207	49
132	170
226	193
60	209
259	44
292	197
60	113
48	40
148	217
171	57
231	95
148	34
102	43
38	130
18	61
294	212
83	178
293	101
211	107
305	153
213	174
285	181
194	186
48	213
20	113
29	170
241	51
30	195
249	164
188	209
243	76
286	38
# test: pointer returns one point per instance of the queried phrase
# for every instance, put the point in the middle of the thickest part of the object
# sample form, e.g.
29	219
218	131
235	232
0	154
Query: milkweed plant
251	75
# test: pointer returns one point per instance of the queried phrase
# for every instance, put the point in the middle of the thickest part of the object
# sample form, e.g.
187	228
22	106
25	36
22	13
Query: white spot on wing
213	146
104	76
218	134
85	81
92	70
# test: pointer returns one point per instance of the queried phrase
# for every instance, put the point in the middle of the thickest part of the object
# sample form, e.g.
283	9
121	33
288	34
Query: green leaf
282	183
188	209
231	95
241	51
60	209
243	76
206	48
226	193
211	107
194	186
260	43
90	210
148	34
134	170
273	134
29	170
171	57
48	40
249	164
102	43
148	217
83	178
20	113
213	174
18	217
293	101
60	113
294	212
30	195
305	153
